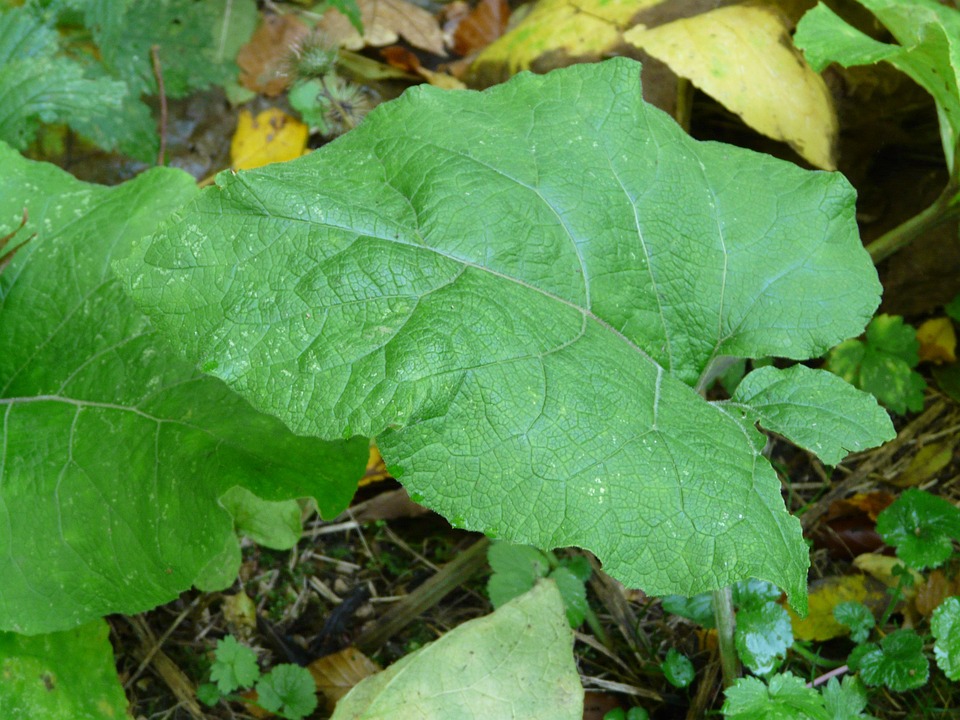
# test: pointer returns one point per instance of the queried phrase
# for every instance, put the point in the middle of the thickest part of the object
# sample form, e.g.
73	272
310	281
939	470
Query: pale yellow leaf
825	595
562	30
938	341
743	57
384	21
273	136
881	568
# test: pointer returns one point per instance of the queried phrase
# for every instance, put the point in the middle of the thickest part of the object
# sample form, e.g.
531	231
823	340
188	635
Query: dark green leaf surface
763	636
235	666
857	617
845	701
922	527
113	452
288	690
516	291
677	669
898	662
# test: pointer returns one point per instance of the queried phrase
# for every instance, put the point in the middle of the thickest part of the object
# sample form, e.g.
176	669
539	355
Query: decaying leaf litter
366	563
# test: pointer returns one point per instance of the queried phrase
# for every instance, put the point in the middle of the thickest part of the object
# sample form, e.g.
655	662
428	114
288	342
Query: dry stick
450	577
175	679
158	73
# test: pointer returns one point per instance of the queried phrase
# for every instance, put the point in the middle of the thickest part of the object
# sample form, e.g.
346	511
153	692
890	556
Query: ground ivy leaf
60	676
814	409
288	690
898	662
763	636
113	452
945	626
518	304
677	669
515	663
922	527
857	617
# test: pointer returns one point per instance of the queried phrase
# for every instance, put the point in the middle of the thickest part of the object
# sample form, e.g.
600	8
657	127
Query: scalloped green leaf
785	698
898	662
814	409
516	292
922	527
114	452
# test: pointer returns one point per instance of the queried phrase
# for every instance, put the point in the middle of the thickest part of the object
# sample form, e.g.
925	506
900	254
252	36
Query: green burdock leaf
816	410
882	364
235	666
922	527
898	662
677	669
928	34
515	663
763	636
288	690
518	292
114	453
945	626
785	698
38	86
67	675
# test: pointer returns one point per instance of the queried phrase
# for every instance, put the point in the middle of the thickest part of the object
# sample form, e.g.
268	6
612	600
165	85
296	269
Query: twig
827	675
158	73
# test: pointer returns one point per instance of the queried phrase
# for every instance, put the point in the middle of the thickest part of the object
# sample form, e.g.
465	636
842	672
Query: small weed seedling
287	690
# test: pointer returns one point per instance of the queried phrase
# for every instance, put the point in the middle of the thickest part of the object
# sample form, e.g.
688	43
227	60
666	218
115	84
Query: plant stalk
726	622
945	208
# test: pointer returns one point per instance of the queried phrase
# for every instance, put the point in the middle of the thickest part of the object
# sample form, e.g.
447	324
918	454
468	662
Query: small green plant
882	363
287	690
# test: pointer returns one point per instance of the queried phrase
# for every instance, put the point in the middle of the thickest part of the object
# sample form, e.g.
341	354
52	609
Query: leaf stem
726	622
945	208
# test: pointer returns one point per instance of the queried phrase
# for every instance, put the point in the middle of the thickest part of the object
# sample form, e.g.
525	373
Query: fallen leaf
929	460
263	59
563	31
383	22
403	59
273	136
869	504
938	341
743	57
240	614
881	568
484	24
934	590
825	595
849	528
388	505
336	674
376	468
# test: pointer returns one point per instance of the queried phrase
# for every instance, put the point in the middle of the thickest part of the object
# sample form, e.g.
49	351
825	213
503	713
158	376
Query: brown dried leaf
399	57
929	460
263	58
383	22
938	341
934	590
485	23
336	674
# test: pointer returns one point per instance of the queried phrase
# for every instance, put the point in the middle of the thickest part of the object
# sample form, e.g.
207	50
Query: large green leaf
517	291
928	34
113	452
515	664
67	675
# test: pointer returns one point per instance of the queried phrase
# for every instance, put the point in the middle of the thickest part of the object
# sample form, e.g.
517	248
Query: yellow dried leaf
929	460
743	57
938	341
337	674
273	136
562	29
880	567
376	469
383	22
824	596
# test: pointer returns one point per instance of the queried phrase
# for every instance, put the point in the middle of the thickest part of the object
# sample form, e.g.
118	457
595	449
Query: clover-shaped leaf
898	662
945	626
521	307
921	527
